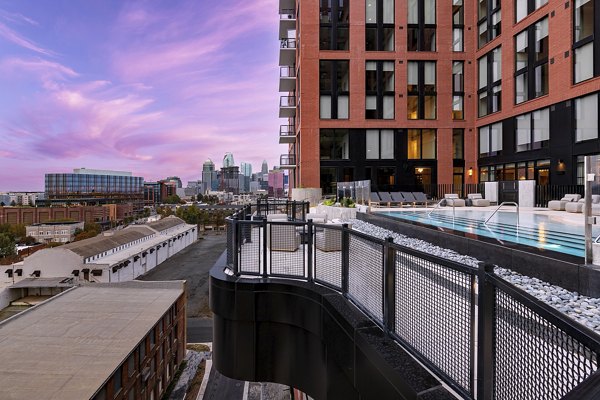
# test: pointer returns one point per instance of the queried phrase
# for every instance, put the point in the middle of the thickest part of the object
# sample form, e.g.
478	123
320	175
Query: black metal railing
287	43
482	336
287	130
287	72
546	193
287	13
287	159
287	101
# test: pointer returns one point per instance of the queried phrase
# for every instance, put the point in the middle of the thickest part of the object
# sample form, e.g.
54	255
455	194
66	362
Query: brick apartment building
36	215
423	92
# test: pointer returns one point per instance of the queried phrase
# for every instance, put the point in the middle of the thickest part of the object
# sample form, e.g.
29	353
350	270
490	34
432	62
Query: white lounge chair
330	239
577	207
559	205
478	200
452	199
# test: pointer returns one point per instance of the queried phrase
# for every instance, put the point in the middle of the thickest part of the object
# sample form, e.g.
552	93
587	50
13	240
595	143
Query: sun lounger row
400	199
576	206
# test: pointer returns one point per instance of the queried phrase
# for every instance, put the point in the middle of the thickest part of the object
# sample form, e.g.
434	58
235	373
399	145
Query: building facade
94	187
35	215
60	232
419	92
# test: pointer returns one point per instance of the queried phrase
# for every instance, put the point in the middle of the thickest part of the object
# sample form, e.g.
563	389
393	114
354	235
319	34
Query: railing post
486	299
309	242
236	245
345	258
294	210
264	246
389	286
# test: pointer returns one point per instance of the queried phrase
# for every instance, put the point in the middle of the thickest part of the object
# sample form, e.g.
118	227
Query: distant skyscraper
228	160
246	169
209	176
175	179
265	168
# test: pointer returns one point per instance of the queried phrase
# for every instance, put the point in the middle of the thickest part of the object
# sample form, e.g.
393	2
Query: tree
7	245
193	198
2	204
28	241
173	199
13	204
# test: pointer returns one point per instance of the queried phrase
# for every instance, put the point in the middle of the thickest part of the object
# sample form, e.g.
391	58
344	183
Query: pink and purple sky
152	87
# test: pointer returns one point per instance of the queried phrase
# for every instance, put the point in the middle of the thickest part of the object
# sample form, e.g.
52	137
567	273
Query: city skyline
153	89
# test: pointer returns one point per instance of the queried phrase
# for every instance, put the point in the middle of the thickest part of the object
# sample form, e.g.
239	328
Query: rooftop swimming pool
536	230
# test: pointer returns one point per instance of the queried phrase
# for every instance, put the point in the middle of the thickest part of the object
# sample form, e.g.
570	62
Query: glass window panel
429	8
521	9
457	12
541	40
496	98
457	143
414	144
430	107
496	19
482	9
343	76
428	145
343	38
586	118
387	144
388	11
457	76
523	132
457	39
541	125
521	88
325	107
496	133
371	11
521	50
388	39
482	28
497	64
372	144
541	80
371	38
413	76
584	19
413	11
388	107
342	110
343	11
584	62
412	39
429	76
457	107
428	39
388	76
413	107
482	72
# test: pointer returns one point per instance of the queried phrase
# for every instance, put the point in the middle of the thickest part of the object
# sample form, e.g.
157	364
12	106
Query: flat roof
165	223
101	243
65	281
66	347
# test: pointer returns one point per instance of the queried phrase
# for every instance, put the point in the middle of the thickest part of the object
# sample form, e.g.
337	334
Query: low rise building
100	341
61	232
34	215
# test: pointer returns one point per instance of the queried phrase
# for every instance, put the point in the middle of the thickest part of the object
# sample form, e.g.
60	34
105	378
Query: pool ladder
504	203
438	205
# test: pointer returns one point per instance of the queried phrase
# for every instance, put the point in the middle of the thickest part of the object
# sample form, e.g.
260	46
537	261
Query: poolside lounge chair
478	200
409	198
559	205
421	198
398	198
452	199
386	198
577	207
374	199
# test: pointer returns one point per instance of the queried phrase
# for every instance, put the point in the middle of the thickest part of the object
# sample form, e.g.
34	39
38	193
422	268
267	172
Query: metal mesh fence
328	255
230	241
250	257
534	359
434	315
365	278
286	249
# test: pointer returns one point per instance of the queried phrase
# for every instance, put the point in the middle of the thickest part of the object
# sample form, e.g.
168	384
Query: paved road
193	264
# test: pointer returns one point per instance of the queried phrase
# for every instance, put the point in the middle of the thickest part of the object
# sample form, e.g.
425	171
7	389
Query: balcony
287	161
287	21
287	134
287	79
340	314
287	106
287	51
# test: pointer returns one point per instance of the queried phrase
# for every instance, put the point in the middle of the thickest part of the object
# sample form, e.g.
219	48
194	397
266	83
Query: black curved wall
311	338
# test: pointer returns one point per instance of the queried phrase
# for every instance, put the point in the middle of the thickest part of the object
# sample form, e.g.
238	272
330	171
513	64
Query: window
379	25
334	144
421	25
458	25
525	7
458	90
379	84
131	365
531	62
118	381
334	86
422	95
421	144
458	144
334	24
380	144
489	16
584	51
490	140
533	130
152	338
142	352
329	180
386	178
586	118
490	82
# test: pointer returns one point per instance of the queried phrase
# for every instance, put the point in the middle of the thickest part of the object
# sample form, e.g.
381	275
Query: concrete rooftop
67	347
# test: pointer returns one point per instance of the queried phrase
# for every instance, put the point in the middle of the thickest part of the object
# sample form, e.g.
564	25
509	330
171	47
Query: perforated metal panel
328	256
433	315
287	253
533	358
250	257
365	279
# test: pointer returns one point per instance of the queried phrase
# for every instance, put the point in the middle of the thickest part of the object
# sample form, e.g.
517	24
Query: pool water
536	230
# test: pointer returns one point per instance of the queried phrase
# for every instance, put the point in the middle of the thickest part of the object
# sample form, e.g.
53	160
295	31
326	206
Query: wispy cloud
8	34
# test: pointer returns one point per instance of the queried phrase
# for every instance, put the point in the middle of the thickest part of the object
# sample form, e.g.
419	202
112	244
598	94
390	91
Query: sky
153	87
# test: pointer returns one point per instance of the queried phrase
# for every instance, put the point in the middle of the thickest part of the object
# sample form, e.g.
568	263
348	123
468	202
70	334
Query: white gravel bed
583	309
